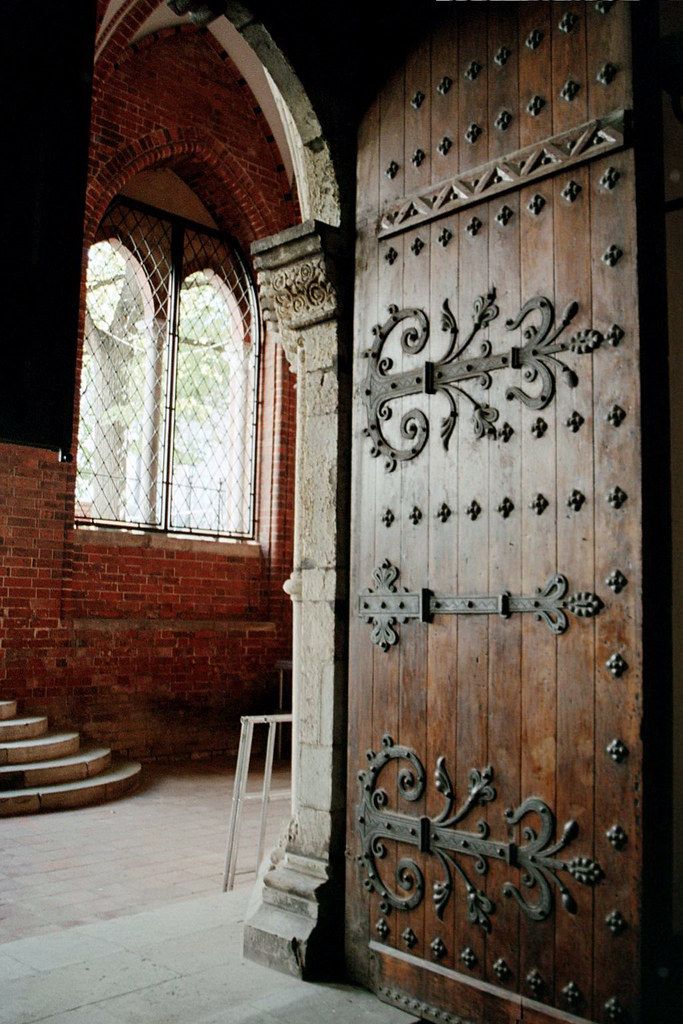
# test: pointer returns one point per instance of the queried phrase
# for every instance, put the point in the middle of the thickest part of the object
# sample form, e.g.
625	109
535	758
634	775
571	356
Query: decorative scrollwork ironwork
387	605
539	858
537	359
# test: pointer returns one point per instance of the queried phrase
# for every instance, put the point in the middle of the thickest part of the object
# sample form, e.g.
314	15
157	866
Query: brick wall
156	644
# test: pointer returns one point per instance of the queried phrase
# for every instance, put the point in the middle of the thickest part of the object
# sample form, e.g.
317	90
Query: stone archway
297	901
298	271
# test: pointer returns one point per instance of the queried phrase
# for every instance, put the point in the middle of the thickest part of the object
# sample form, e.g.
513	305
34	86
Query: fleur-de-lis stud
616	581
469	957
504	215
617	750
616	415
472	71
571	191
538	504
568	21
416	246
504	120
473	510
505	433
617	497
534	39
418	157
539	427
409	937
610	178
615	922
535	981
616	665
607	73
391	256
438	948
444	146
569	90
501	969
473	133
576	500
445	236
506	507
614	335
617	837
415	515
536	204
571	993
417	100
502	56
382	928
392	170
443	512
388	517
612	255
575	422
444	85
474	226
535	105
614	1010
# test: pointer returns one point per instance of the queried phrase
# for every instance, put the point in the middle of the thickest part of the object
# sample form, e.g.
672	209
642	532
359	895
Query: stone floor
178	964
164	843
114	915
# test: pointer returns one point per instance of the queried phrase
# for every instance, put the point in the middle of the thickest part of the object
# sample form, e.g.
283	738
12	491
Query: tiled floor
114	915
165	842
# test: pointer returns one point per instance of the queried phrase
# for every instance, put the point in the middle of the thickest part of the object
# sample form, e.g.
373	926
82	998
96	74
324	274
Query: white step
89	761
43	748
22	728
115	782
8	709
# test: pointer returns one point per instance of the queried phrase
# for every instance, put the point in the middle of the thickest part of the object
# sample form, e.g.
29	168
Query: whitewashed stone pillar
296	911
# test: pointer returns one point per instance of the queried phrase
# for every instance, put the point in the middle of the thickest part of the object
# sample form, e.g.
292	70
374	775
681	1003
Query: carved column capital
295	273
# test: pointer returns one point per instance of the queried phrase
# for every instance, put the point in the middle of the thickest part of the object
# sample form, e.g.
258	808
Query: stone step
89	761
43	748
22	728
119	779
8	709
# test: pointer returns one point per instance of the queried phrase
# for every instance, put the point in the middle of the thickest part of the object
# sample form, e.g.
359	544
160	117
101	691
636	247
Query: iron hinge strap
387	605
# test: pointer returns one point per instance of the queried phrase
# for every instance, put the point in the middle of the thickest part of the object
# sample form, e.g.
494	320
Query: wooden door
494	832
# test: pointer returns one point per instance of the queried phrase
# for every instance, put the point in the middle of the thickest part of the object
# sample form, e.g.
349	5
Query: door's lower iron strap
540	857
387	605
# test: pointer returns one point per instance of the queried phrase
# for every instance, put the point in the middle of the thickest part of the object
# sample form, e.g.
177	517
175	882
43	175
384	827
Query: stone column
296	914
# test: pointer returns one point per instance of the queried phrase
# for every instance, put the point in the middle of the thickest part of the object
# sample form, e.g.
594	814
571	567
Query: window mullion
176	277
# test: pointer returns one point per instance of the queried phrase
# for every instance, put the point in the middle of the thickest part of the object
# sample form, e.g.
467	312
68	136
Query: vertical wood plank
569	65
362	538
415	474
535	72
474	511
385	710
538	455
443	484
504	447
473	84
539	647
618	784
609	43
575	544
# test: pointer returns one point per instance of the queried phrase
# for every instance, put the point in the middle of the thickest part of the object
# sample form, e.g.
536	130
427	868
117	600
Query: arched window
169	381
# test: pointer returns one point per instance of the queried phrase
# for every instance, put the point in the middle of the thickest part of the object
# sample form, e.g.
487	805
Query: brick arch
196	156
321	184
